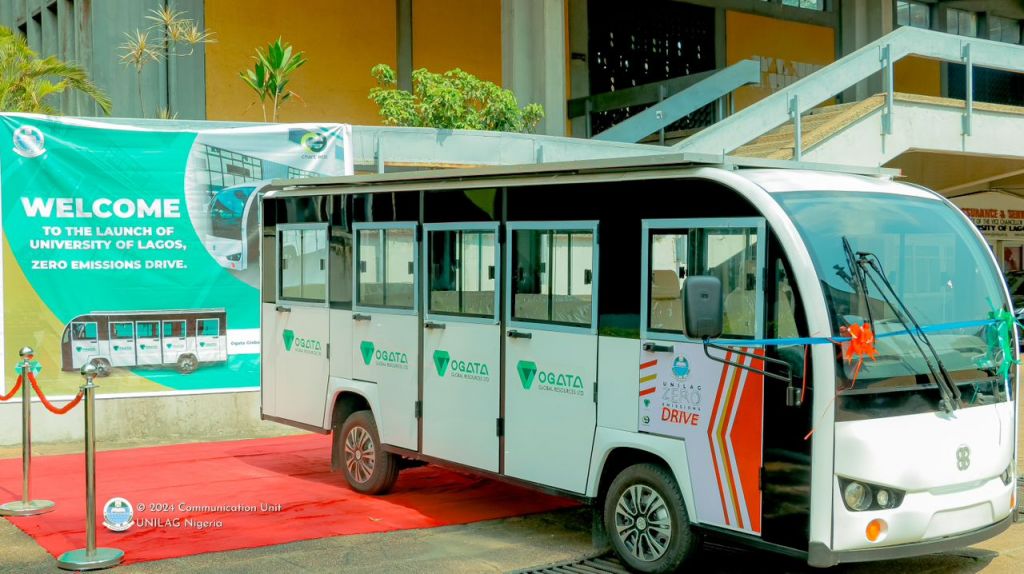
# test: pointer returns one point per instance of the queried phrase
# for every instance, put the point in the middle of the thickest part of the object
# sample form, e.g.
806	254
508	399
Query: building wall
462	34
918	76
335	81
788	51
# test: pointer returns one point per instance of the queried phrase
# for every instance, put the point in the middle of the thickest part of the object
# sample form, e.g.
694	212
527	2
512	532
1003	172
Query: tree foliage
271	73
452	100
26	79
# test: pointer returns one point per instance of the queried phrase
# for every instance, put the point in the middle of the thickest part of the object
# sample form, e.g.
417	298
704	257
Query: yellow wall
918	76
788	51
342	39
462	34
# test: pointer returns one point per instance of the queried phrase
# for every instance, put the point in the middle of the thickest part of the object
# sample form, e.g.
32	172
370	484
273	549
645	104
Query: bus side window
462	272
83	331
209	327
552	279
340	281
386	271
303	264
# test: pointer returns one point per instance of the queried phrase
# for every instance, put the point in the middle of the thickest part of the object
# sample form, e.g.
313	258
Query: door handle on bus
656	348
360	317
283	309
433	325
513	334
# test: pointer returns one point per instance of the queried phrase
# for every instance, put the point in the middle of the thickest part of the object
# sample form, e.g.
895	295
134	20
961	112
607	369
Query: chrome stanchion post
90	557
26	506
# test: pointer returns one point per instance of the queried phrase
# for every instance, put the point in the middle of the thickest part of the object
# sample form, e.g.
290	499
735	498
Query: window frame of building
1000	26
906	18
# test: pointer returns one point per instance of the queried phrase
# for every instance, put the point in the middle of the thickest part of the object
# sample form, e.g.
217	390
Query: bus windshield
936	266
227	210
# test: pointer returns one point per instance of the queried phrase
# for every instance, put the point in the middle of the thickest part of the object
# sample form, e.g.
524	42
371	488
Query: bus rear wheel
645	517
187	364
368	468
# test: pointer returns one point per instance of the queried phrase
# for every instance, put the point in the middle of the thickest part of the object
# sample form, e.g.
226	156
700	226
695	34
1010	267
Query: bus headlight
859	496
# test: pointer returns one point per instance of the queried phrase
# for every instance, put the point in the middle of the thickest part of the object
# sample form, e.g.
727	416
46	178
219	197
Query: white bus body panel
461	393
173	346
341	343
386	351
336	386
210	348
148	348
918	454
550	413
295	342
122	351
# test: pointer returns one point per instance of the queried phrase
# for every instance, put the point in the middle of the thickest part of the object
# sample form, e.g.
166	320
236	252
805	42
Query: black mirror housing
702	301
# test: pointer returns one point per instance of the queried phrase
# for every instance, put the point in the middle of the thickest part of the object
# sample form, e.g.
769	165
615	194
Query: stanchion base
30	508
81	560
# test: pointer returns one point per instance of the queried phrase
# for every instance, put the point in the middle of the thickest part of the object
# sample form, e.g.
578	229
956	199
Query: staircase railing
878	56
674	99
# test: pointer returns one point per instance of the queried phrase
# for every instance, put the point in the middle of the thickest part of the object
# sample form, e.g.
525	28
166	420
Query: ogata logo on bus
301	344
567	383
383	358
459	369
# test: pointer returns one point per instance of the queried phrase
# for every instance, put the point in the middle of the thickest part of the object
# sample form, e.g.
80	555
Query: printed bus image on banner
136	249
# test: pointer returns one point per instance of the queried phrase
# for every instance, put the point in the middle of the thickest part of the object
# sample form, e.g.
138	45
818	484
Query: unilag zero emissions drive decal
559	382
383	357
458	368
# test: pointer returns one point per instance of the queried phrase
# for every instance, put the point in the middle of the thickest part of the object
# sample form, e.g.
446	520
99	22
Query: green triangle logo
441	360
289	338
527	370
366	348
202	343
647	402
117	347
142	347
79	349
169	345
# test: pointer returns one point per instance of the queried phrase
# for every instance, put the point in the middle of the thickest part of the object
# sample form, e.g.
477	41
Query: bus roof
665	165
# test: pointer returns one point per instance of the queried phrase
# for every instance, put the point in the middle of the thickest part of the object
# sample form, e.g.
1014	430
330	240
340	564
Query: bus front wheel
368	468
187	364
646	519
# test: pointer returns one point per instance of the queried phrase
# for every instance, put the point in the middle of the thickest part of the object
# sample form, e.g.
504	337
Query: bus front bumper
821	556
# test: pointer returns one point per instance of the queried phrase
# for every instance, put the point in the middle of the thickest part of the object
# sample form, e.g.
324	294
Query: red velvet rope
8	396
49	406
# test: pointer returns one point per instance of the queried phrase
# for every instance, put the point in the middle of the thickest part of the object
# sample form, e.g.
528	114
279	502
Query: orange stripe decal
648	364
711	441
720	432
648	378
646	392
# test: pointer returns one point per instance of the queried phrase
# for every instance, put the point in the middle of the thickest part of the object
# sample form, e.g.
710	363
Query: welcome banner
137	249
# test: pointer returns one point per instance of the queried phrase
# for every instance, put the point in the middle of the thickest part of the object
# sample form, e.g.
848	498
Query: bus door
385	325
122	343
716	408
209	345
85	343
551	351
147	343
461	344
300	325
175	340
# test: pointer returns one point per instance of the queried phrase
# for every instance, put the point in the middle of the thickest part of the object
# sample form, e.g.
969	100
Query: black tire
187	363
102	365
368	468
638	534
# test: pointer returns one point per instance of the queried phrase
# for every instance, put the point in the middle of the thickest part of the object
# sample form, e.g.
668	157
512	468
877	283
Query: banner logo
314	142
29	142
118	515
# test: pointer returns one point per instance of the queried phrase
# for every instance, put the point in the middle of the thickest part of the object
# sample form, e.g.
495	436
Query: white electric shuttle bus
667	340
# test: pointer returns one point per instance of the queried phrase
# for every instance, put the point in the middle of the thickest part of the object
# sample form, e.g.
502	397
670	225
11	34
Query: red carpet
293	472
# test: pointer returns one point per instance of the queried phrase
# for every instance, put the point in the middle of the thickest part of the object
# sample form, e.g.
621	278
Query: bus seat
666	301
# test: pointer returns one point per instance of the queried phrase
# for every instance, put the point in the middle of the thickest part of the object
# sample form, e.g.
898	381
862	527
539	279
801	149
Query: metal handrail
878	56
669	110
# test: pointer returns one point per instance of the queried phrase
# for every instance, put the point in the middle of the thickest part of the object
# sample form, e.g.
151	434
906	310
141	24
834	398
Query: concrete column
862	22
533	57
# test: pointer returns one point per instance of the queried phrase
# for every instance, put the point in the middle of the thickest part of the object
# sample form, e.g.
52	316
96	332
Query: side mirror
702	303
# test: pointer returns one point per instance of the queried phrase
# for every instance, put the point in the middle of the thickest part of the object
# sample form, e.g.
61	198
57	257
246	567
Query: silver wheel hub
643	522
360	457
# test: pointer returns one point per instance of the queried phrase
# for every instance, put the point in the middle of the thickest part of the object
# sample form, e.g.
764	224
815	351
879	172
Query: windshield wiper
944	382
857	279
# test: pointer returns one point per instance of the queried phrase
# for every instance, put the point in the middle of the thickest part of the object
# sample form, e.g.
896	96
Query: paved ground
492	546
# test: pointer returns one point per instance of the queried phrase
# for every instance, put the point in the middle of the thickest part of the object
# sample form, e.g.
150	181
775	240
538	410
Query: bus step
603	564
